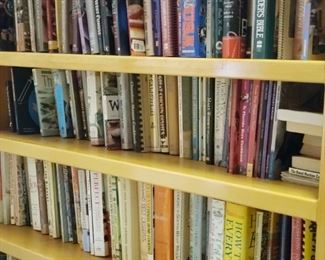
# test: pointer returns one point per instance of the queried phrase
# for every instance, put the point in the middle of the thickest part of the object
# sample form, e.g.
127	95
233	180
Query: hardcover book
44	88
24	101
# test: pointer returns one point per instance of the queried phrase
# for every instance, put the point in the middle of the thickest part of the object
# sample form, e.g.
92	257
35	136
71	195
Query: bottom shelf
26	243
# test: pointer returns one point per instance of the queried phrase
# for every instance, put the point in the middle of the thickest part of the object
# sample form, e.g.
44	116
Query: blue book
194	28
24	99
156	21
62	101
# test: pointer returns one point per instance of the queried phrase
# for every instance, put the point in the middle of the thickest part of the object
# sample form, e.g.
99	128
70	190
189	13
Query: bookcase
165	170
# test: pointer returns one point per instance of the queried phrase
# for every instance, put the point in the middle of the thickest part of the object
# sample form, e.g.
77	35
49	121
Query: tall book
107	26
5	186
181	225
11	107
51	26
239	232
163	125
58	22
95	109
164	224
285	237
24	98
83	26
65	26
7	28
41	25
296	238
194	25
44	88
129	219
136	27
42	196
111	117
148	27
62	100
154	113
90	212
157	30
309	239
195	119
99	29
168	10
31	16
76	203
22	25
92	26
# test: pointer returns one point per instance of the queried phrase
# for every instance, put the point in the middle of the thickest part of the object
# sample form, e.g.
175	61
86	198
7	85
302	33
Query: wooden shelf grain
169	171
283	70
28	244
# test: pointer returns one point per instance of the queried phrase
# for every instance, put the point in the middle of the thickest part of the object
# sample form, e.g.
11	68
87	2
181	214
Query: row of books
229	29
123	219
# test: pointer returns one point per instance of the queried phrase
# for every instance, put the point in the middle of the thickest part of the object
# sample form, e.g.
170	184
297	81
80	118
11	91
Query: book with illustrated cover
25	104
7	26
112	128
136	27
23	41
44	88
62	100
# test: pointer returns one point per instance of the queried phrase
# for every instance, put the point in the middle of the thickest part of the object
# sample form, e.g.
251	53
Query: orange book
164	212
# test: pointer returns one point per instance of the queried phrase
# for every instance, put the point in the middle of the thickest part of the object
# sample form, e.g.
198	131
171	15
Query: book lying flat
306	163
304	129
286	176
300	117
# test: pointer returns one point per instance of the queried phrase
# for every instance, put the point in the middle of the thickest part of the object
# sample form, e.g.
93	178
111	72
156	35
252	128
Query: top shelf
282	70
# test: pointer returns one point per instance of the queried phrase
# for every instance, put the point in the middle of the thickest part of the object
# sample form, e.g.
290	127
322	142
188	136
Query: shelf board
169	171
284	70
26	243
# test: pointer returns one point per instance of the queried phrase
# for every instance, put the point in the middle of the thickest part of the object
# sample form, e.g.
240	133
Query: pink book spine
244	108
169	27
296	239
234	127
255	99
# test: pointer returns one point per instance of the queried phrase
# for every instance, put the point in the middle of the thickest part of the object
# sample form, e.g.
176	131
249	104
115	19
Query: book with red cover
296	239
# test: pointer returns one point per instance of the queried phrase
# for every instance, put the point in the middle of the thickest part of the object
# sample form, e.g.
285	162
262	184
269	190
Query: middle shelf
170	171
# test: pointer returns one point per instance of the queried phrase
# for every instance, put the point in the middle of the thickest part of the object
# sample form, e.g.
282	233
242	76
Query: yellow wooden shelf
169	171
297	71
28	244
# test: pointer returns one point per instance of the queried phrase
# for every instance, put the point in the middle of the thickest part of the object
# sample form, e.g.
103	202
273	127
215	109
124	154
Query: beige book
302	117
311	151
306	163
312	140
302	128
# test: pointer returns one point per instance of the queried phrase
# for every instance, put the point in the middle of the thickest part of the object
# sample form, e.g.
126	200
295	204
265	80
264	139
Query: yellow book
309	240
239	232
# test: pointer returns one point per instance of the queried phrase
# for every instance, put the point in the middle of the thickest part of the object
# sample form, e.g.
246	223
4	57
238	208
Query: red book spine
252	138
169	27
296	239
244	108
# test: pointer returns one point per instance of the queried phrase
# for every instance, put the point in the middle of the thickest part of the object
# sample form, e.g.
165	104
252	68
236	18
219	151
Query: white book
154	112
97	190
129	219
83	209
286	176
92	27
216	210
302	117
31	24
148	27
50	168
304	173
305	129
258	235
312	140
5	182
181	225
90	213
49	201
145	194
220	115
306	163
125	110
34	198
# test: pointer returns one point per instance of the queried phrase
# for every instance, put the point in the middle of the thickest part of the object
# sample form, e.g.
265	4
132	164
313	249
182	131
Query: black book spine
136	111
99	26
107	26
210	121
11	109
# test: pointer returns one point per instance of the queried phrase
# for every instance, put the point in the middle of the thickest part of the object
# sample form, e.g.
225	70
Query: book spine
195	119
13	187
49	200
244	121
181	225
90	212
61	95
258	235
107	26
172	114
82	95
163	128
148	27
31	20
301	34
44	90
157	30
65	25
168	10
125	111
41	26
33	194
210	96
210	28
76	203
62	202
99	31
58	21
304	173
75	38
309	239
218	30
296	238
216	229
83	26
71	220
164	240
100	236
111	111
113	202
22	25
202	119
51	26
95	106
84	210
5	182
154	113
11	109
92	27
220	116
285	237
